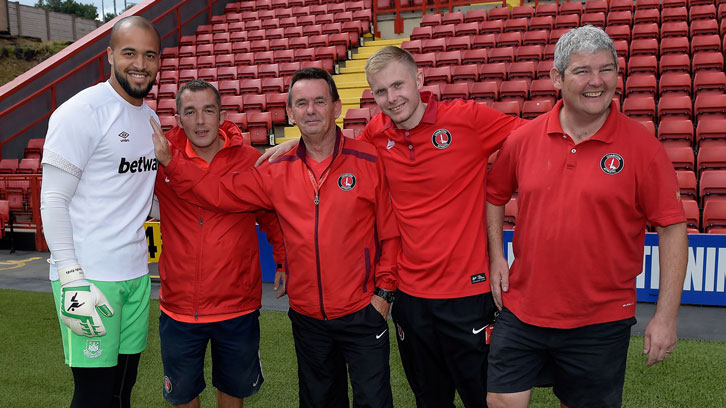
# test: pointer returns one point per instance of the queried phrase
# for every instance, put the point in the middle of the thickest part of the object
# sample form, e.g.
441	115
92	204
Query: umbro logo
124	136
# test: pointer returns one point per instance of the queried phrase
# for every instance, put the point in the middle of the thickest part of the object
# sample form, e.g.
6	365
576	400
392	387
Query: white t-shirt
105	141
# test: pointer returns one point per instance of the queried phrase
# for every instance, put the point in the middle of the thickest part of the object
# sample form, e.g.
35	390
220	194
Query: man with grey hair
589	179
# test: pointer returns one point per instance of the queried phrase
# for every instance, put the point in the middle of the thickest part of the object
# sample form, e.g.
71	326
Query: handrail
74	50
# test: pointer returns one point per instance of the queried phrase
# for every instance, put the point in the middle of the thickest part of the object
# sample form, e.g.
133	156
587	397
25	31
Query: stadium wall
47	25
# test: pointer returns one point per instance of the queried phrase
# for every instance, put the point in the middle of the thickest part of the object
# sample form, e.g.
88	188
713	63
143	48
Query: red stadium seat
430	20
522	69
704	27
714	216
483	41
455	91
166	106
456	17
707	61
514	89
693	216
516	24
640	108
259	124
501	54
709	82
646	16
681	156
413	46
486	91
475	15
712	185
543	68
276	104
493	71
702	12
539	23
448	30
568	21
687	184
437	75
232	103
711	132
674	83
448	58
523	12
34	148
463	29
499	13
357	118
464	73
679	131
543	89
532	109
491	27
710	106
709	158
641	84
458	43
675	45
596	6
675	63
574	7
8	166
546	9
705	43
643	64
511	108
538	37
529	53
618	32
646	30
474	56
433	45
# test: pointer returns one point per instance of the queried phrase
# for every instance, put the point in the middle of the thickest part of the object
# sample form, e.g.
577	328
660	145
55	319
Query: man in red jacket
211	281
341	238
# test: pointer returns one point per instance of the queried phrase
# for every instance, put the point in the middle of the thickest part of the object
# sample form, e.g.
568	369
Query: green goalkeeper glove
81	301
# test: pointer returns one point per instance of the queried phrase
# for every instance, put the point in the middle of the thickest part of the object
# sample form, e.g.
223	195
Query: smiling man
98	177
589	180
206	249
341	240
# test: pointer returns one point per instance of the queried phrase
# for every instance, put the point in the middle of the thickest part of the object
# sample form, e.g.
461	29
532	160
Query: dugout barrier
705	282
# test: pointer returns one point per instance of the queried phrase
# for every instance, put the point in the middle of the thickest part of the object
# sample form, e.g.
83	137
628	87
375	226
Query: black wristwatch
387	295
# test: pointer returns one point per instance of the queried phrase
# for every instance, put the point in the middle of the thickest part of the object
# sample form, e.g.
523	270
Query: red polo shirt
582	212
436	173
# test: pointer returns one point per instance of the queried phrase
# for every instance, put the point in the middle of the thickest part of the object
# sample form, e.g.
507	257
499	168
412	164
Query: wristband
70	274
387	295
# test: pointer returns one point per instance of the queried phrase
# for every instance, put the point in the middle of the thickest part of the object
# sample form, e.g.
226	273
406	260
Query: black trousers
359	340
443	347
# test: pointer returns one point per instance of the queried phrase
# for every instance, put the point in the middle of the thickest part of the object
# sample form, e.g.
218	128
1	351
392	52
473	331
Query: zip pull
317	199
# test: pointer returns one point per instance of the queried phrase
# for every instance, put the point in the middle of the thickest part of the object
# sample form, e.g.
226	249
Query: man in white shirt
99	171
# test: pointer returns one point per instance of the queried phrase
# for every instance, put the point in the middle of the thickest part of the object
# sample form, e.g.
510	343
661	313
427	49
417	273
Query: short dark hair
197	85
313	73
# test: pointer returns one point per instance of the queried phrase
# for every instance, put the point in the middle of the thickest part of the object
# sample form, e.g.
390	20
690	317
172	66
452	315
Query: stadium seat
514	89
448	30
707	61
568	21
614	18
712	185
646	30
529	53
709	158
34	148
542	23
448	58
711	132
618	32
641	84
493	71
516	24
621	5
687	184
167	122
709	82
498	13
413	46
456	17
681	156
276	104
168	77
271	85
430	20
674	29
574	7
433	45
671	14
704	27
532	109
702	12
425	60
357	118
675	45
268	71
556	33
678	131
483	41
166	106
475	15
543	89
705	43
644	46
621	48
675	107
640	107
259	125
523	12
246	72
596	6
437	75
8	166
522	69
232	103
484	91
455	91
29	166
491	27
241	46
543	68
366	99
501	54
474	56
467	29
714	216
690	208
674	83
421	33
464	73
509	107
537	37
646	16
546	9
642	64
675	63
710	106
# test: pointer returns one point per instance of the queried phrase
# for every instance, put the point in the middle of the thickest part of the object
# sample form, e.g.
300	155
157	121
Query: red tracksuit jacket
332	238
210	260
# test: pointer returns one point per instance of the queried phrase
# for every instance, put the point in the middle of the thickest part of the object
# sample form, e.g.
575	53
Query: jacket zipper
317	256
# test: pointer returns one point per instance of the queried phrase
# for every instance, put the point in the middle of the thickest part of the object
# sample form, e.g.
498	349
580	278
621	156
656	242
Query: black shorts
235	343
584	365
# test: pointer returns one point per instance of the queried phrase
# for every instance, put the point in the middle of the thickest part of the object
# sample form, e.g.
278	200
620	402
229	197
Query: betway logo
142	164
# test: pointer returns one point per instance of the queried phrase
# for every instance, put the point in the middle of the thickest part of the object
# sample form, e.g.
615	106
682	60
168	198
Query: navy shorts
236	368
584	365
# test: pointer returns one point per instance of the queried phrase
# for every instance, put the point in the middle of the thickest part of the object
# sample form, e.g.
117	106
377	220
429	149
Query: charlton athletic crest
346	181
441	139
612	163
